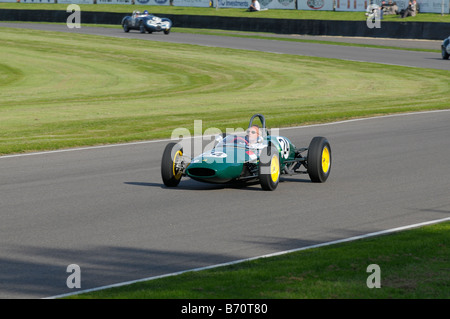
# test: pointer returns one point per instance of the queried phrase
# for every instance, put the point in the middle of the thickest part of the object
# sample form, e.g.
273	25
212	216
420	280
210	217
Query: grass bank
66	90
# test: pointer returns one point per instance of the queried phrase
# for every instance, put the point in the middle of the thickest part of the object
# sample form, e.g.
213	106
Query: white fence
434	6
426	6
265	4
73	1
30	1
113	2
323	5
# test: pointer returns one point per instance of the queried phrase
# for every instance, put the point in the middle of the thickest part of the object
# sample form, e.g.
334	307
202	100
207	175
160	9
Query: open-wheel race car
145	22
251	156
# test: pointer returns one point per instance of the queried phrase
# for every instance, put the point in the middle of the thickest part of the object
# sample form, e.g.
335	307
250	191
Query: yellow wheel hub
275	168
326	160
176	172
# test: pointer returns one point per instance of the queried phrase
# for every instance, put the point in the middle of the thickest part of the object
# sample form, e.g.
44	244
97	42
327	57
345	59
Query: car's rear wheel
167	31
269	168
125	27
141	27
319	159
171	170
445	55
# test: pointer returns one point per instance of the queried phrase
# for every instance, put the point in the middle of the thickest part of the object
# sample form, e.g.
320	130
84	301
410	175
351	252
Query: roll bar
263	122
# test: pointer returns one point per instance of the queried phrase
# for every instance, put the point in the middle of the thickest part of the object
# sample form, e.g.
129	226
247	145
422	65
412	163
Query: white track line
378	233
167	140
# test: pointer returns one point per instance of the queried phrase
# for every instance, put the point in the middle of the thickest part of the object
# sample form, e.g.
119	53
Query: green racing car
252	156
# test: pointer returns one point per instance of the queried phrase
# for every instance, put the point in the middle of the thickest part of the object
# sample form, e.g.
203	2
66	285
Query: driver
253	134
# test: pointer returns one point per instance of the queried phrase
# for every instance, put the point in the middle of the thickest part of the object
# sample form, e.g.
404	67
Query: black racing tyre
125	27
269	168
141	27
319	159
445	55
166	31
170	171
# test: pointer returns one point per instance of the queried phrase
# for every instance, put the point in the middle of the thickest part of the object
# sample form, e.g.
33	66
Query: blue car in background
146	22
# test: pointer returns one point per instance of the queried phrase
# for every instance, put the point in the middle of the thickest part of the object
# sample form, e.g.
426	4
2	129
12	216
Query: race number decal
284	144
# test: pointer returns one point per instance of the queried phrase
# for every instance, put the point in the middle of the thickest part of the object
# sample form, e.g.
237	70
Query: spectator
415	8
254	6
382	8
410	10
391	8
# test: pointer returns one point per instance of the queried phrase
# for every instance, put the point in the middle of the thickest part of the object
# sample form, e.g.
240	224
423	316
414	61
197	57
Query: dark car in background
145	22
445	48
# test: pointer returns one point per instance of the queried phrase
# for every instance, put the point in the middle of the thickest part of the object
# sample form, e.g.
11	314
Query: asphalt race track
364	54
106	209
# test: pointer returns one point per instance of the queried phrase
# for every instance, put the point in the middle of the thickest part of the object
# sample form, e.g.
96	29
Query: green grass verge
65	90
228	12
414	264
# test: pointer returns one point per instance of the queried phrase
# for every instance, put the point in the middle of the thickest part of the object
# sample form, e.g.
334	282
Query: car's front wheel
445	55
319	159
269	168
167	31
171	170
